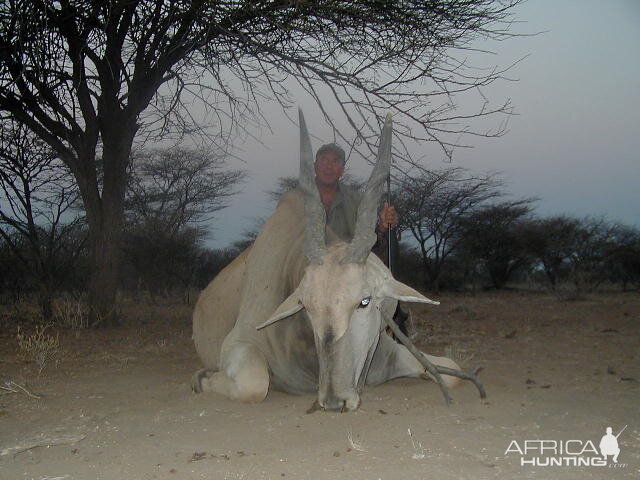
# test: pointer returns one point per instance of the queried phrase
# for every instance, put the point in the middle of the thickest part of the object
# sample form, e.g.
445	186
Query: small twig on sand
13	387
419	451
42	441
355	445
436	370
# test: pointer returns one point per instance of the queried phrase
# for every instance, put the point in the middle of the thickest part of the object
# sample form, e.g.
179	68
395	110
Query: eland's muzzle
344	403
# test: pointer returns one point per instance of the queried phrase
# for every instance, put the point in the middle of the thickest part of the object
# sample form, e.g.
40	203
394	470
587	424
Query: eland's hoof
196	379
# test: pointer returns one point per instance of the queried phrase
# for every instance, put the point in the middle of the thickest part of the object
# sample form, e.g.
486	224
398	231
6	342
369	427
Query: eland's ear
404	293
287	308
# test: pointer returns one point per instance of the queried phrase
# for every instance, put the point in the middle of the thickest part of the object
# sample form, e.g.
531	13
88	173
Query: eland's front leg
244	375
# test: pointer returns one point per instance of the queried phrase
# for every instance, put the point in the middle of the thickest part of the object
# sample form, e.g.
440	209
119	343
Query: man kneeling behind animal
341	207
304	314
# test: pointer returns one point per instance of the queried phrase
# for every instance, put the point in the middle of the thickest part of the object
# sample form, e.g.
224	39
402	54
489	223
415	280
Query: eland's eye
364	302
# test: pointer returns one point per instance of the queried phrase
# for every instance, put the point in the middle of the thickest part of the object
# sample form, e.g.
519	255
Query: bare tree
584	251
161	263
592	249
493	235
287	184
169	189
623	261
431	207
170	193
247	237
37	221
551	241
88	76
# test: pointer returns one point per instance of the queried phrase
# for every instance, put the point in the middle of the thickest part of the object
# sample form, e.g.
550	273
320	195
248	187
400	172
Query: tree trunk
435	274
426	279
497	275
105	263
425	265
105	217
435	285
551	275
45	302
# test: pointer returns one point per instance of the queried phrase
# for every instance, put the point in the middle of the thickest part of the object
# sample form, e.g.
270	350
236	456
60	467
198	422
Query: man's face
329	168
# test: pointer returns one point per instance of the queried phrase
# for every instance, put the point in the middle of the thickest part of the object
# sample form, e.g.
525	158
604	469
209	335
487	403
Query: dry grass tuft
72	313
39	346
24	308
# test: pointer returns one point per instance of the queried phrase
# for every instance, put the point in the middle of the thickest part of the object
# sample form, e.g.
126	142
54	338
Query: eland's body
302	312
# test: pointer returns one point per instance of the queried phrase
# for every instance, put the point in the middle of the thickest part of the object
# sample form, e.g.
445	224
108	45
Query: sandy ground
119	406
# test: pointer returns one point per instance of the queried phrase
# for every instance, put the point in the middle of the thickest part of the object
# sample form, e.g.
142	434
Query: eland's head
345	290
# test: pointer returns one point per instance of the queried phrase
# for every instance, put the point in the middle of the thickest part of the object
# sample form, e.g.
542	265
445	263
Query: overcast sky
574	142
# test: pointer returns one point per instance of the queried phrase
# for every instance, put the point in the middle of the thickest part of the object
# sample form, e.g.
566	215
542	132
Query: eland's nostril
332	403
341	404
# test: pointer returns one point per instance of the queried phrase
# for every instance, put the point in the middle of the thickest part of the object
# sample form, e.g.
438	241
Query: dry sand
118	404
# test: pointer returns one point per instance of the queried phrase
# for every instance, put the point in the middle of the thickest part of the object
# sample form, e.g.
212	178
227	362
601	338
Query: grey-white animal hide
305	316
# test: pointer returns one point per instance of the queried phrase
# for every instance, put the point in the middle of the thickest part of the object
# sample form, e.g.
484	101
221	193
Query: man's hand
388	217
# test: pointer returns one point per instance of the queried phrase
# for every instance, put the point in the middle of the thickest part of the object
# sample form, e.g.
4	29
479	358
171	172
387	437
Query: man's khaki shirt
342	214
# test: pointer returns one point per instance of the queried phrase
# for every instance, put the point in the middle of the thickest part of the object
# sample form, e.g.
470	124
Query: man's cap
332	147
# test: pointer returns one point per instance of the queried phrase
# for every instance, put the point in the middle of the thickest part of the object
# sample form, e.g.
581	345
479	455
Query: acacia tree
585	251
87	76
551	241
38	222
493	235
431	207
287	184
594	244
170	193
169	189
623	263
